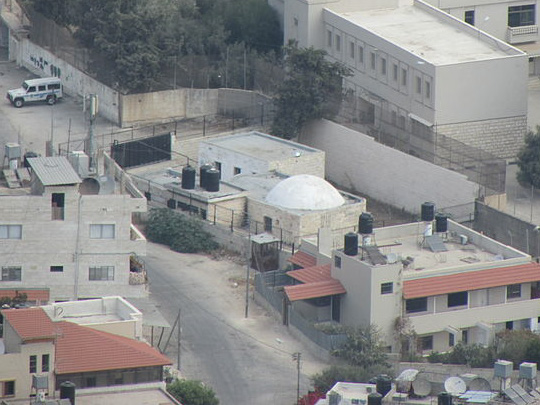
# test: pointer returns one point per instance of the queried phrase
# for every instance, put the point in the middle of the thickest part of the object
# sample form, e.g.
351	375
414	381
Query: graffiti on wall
44	65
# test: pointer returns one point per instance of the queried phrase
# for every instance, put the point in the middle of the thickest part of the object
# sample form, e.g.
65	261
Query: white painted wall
357	162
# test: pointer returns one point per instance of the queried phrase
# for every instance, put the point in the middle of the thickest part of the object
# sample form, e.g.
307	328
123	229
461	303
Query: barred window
102	231
11	273
10	231
101	273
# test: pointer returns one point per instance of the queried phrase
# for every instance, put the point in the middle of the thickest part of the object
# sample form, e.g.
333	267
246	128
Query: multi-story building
419	73
447	287
63	236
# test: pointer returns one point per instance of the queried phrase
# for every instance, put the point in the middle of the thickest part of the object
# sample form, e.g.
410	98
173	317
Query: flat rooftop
261	146
437	40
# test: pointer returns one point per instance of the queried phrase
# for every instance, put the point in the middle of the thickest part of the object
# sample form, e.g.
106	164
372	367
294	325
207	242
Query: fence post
262	114
175	127
204	125
215	213
232	221
280	238
233	120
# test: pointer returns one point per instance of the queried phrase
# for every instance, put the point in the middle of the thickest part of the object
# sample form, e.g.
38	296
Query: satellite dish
455	385
479	384
405	379
421	387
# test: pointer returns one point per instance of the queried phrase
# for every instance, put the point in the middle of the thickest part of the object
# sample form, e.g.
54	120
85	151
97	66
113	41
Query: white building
420	71
66	237
452	286
513	21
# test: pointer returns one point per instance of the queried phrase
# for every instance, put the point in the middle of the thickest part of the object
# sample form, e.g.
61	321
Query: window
383	66
10	231
57	269
102	231
351	49
513	291
469	17
425	342
361	54
510	325
42	88
338	43
395	72
416	305
11	273
465	336
458	299
372	59
31	89
54	86
394	118
428	89
451	340
403	76
401	122
44	363
237	170
57	205
8	388
519	16
329	39
32	364
267	224
387	288
337	261
355	401
418	85
101	273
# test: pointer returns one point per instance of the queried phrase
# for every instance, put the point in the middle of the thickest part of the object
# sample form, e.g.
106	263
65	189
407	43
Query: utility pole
248	265
297	357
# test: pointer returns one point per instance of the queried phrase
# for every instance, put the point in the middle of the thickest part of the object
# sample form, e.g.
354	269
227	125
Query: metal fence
270	286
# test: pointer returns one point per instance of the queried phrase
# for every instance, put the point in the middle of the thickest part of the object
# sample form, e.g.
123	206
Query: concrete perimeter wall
76	83
357	162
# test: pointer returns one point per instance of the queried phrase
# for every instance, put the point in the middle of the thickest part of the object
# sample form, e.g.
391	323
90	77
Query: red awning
311	274
314	290
303	259
473	280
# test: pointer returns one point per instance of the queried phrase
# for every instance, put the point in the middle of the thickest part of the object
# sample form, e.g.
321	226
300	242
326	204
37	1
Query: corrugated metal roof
312	274
314	290
82	349
303	259
30	323
474	280
54	171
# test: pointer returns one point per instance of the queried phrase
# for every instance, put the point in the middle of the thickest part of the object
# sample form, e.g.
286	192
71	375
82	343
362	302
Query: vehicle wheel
51	100
19	102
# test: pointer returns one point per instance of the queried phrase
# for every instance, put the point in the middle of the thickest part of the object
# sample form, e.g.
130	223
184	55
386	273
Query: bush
474	355
183	234
192	392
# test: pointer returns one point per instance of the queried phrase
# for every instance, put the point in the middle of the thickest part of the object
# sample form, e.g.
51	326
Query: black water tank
29	155
212	180
444	398
441	222
188	177
384	384
374	399
428	211
171	203
365	223
67	391
202	174
351	244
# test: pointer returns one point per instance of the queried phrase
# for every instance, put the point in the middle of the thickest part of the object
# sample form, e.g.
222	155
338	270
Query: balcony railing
518	35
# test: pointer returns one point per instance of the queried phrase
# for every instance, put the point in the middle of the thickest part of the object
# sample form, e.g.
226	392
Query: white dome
305	192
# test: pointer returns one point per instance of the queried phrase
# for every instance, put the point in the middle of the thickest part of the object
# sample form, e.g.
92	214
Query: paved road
244	361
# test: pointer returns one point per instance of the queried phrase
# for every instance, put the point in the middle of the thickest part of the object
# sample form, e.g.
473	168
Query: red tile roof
303	259
314	290
30	323
473	280
311	274
31	294
82	349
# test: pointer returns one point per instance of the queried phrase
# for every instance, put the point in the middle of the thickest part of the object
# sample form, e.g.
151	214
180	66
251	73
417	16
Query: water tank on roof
29	155
188	177
212	180
384	384
351	244
374	399
441	222
67	391
428	211
444	398
365	223
202	174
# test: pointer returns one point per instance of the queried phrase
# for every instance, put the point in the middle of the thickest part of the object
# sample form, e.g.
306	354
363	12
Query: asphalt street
245	361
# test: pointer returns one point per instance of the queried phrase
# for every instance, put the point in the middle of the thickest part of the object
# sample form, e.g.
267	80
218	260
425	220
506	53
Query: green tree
192	392
183	234
363	347
473	355
313	89
529	160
